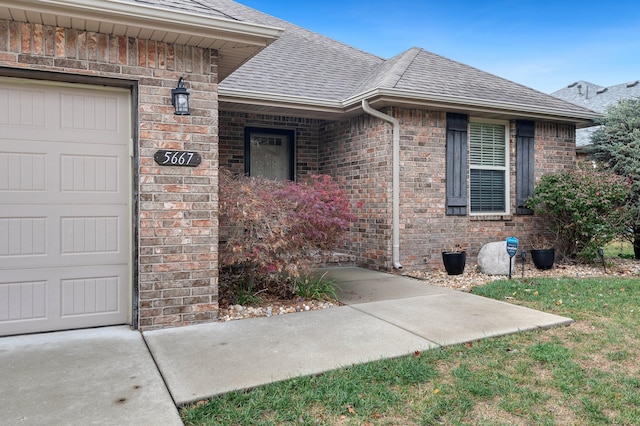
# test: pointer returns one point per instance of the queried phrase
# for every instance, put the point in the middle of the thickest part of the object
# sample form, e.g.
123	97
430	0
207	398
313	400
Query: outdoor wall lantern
180	99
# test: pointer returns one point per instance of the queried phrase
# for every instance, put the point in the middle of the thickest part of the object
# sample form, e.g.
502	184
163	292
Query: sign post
512	249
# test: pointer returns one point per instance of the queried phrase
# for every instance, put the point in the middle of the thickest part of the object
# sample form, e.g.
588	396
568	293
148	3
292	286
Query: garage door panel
22	171
22	236
87	235
61	176
89	296
90	173
64	207
67	114
22	107
88	111
91	117
60	298
94	295
23	300
94	235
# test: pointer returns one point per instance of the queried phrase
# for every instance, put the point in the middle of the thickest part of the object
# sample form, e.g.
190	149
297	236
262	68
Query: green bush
584	209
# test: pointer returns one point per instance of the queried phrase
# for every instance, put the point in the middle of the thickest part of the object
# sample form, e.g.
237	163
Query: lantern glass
182	104
180	99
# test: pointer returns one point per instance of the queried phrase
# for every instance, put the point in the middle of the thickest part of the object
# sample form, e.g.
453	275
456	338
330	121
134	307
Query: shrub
270	227
585	209
320	288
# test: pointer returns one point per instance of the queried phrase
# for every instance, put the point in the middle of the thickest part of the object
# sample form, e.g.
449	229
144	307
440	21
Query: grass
584	374
316	287
619	248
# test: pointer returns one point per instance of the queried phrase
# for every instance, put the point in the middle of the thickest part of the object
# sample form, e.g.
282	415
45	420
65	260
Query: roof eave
381	98
390	97
236	41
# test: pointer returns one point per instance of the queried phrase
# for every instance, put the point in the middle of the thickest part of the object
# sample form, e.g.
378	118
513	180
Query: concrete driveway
101	376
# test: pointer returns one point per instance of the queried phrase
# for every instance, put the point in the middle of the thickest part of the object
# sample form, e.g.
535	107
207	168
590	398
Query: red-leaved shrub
269	227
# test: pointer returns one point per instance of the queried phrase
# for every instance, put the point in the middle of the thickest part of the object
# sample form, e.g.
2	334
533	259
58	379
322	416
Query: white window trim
507	162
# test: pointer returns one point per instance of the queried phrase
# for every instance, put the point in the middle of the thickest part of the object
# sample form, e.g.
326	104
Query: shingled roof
304	71
597	98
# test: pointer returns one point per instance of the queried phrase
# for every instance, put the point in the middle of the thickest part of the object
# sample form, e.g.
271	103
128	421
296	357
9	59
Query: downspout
396	178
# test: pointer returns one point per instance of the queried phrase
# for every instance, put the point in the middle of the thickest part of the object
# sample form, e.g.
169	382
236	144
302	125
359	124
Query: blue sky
542	44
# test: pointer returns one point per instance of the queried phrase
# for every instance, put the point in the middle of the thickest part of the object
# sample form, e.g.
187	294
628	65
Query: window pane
487	191
270	156
487	144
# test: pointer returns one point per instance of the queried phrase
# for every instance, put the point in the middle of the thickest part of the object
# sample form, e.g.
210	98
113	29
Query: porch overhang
235	41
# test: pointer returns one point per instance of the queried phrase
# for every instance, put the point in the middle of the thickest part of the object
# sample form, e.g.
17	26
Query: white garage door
64	206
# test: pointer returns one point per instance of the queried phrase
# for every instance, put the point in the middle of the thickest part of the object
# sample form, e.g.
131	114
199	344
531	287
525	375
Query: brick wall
360	151
356	150
177	206
425	229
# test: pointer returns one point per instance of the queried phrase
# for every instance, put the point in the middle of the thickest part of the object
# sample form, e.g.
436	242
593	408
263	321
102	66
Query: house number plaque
177	158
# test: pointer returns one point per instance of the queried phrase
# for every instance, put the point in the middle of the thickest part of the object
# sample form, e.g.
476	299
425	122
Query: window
488	167
269	153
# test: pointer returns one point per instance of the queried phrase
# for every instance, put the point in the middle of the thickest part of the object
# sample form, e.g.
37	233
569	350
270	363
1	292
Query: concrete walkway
107	376
385	316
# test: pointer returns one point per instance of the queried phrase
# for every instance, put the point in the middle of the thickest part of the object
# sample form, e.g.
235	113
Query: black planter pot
543	259
454	262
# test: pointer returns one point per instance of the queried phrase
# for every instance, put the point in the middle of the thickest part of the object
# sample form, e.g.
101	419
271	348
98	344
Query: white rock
493	259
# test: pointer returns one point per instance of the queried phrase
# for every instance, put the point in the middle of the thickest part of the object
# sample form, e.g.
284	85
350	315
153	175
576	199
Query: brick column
178	207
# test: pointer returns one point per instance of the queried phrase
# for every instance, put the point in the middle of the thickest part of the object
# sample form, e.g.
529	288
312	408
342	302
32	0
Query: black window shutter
457	164
525	156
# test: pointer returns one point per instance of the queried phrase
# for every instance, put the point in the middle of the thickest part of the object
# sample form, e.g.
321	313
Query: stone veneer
176	207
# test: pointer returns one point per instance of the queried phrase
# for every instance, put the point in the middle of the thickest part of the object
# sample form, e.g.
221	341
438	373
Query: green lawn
584	374
620	248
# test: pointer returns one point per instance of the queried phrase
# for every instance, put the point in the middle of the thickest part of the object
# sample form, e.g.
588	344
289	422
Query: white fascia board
470	103
404	97
152	17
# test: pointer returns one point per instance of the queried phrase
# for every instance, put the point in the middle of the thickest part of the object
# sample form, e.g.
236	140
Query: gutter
396	178
133	18
402	97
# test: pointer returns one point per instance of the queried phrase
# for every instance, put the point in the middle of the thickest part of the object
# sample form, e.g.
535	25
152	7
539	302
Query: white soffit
235	41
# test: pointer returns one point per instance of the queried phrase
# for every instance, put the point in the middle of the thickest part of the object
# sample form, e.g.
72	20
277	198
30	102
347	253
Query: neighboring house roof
597	98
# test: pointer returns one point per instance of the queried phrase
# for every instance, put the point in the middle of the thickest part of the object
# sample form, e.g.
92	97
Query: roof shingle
311	66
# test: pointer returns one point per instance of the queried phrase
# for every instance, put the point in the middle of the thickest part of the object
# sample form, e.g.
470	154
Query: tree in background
616	147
